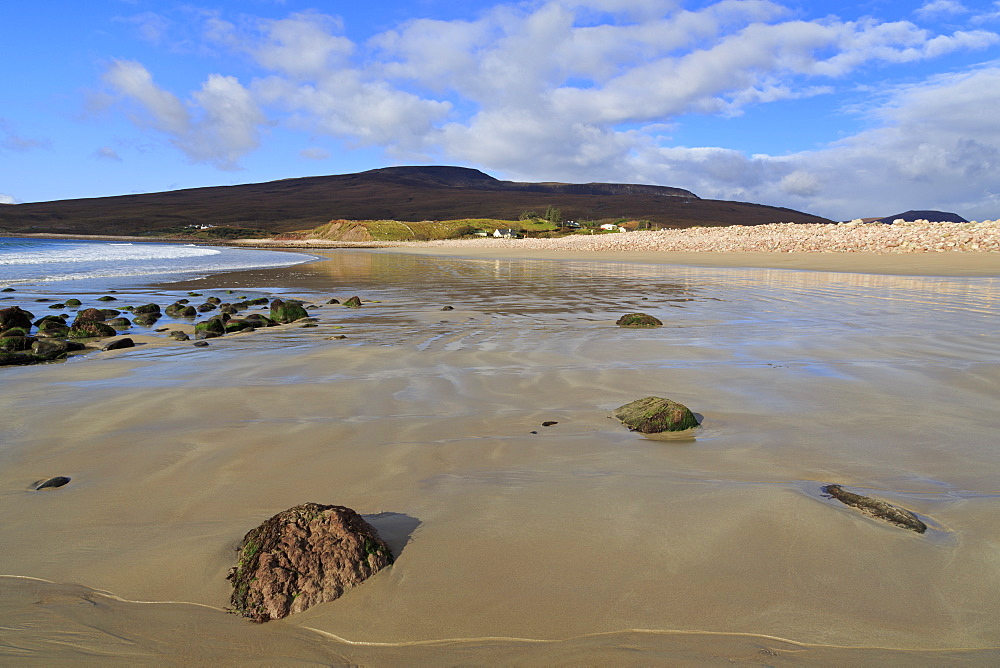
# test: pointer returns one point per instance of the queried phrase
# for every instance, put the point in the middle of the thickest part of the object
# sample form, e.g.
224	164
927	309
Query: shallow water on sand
616	548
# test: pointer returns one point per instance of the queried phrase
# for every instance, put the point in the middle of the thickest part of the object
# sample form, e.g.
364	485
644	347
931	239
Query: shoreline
428	423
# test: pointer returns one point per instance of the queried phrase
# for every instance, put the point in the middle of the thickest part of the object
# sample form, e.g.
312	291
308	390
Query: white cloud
11	140
107	153
7	199
939	7
218	126
566	89
314	153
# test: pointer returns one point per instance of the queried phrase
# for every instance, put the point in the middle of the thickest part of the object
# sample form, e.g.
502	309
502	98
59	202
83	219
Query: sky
841	109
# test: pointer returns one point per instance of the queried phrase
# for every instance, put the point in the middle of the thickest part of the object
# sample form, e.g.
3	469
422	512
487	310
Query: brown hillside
392	193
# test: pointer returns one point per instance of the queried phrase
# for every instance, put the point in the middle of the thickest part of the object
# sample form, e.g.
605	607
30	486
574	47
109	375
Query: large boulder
285	312
654	415
353	302
91	314
305	555
14	316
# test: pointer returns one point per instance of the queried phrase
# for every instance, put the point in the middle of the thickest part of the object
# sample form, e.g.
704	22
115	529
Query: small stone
333	301
178	335
107	298
447	308
201	344
118	344
353	302
549	423
638	320
51	483
877	508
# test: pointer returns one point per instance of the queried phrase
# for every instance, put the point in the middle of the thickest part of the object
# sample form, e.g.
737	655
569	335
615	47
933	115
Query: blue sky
846	110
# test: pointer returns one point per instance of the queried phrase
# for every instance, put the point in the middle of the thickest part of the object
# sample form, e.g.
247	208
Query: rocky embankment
912	237
851	237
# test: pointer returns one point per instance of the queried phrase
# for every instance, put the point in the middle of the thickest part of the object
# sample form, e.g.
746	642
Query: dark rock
549	423
14	331
187	312
259	320
109	313
57	306
194	294
15	316
239	326
91	314
201	344
258	301
309	324
353	302
333	301
638	320
336	338
16	344
227	308
53	328
447	308
183	301
8	290
303	556
17	359
147	319
877	508
107	298
90	329
51	483
119	323
72	301
206	307
160	330
654	415
209	329
213	300
118	344
146	308
285	312
46	347
178	335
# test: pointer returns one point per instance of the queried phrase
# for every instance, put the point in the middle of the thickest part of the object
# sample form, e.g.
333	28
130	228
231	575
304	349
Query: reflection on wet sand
579	542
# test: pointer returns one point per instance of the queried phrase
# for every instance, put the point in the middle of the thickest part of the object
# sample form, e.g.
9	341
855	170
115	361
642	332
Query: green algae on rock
353	302
654	415
638	320
285	312
877	508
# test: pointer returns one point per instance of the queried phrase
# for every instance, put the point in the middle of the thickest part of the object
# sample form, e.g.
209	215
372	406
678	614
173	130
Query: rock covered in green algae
209	329
90	329
15	316
638	320
285	312
877	508
654	415
305	555
353	302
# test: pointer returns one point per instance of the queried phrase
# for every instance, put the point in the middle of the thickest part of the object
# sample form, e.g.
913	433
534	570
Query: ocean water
55	264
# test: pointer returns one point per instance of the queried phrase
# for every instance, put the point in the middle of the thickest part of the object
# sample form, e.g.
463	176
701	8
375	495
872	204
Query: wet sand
580	543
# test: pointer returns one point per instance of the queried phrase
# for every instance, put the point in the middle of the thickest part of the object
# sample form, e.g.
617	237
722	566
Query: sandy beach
577	543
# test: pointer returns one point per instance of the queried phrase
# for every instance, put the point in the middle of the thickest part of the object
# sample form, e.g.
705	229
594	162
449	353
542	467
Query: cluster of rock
27	340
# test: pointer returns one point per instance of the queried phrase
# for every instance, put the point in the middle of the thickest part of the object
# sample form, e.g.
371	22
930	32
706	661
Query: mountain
932	216
391	193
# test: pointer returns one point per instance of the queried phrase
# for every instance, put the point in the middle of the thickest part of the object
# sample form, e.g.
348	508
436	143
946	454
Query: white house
506	233
613	227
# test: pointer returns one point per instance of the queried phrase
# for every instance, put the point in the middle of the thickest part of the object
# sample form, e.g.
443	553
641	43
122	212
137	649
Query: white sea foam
85	253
